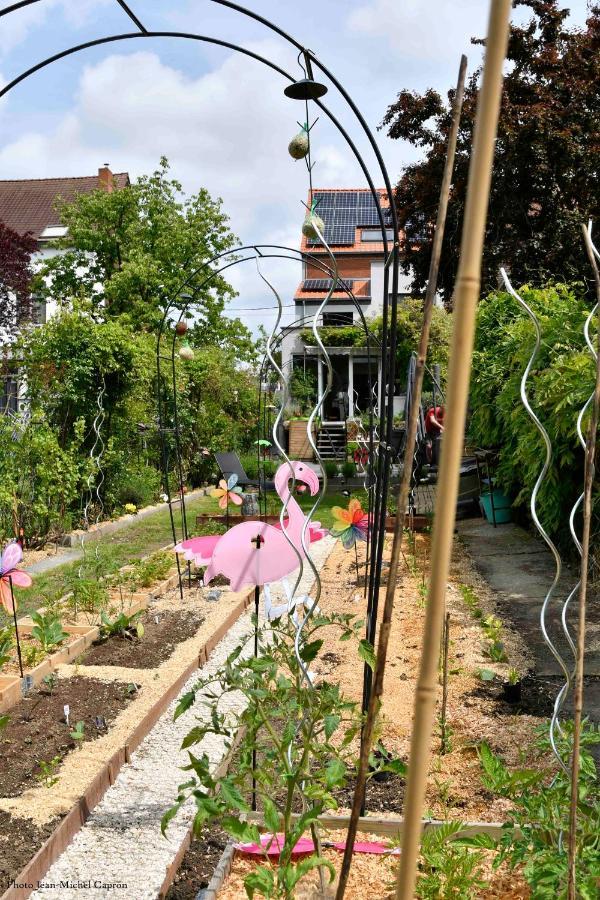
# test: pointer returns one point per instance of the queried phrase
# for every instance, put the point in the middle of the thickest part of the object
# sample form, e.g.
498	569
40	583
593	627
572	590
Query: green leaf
170	814
241	831
231	795
184	704
271	815
193	737
366	653
487	675
308	652
331	723
261	879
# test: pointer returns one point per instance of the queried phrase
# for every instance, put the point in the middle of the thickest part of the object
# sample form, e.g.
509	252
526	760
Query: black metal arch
389	328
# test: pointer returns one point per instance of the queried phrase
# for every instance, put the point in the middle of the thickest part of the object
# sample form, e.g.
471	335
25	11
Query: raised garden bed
163	630
187	638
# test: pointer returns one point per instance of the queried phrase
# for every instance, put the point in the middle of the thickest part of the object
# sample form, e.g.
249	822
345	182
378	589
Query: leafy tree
15	275
545	181
129	252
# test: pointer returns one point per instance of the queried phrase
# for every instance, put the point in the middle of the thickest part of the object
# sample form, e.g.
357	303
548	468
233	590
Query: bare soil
20	840
37	730
198	865
163	630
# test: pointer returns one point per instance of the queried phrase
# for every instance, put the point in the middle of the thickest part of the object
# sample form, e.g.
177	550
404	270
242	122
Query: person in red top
434	428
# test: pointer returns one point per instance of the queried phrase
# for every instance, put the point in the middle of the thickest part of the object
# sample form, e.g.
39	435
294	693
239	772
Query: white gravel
120	851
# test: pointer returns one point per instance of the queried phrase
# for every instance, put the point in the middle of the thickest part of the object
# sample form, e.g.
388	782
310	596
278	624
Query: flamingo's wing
21	578
12	556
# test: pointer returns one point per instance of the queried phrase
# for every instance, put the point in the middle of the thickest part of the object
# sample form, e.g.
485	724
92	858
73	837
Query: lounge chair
230	464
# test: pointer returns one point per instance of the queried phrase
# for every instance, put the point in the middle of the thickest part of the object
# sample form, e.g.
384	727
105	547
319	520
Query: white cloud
18	25
424	31
226	130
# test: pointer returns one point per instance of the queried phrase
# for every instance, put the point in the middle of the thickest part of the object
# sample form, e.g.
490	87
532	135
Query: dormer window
53	232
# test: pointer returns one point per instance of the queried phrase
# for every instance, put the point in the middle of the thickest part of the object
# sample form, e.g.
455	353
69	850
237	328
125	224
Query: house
352	230
30	206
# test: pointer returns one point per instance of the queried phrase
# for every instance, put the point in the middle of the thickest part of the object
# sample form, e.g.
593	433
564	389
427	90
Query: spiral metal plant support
558	703
95	479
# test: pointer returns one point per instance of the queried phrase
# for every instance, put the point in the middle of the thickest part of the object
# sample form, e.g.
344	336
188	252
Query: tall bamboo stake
409	452
588	484
466	295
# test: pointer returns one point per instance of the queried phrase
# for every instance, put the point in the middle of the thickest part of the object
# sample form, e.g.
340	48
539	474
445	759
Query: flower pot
502	507
511	693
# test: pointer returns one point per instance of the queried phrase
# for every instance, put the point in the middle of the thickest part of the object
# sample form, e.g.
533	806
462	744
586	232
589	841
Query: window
38	311
373	235
337	318
8	395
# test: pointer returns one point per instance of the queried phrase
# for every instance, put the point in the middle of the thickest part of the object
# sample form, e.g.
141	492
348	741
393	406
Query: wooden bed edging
389	826
77	816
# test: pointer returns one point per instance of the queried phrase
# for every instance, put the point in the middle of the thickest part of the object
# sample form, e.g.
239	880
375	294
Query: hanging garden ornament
186	352
10	559
299	146
228	492
351	525
306	88
181	327
313	225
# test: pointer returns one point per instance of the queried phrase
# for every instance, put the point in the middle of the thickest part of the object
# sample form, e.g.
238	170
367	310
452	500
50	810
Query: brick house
353	233
30	206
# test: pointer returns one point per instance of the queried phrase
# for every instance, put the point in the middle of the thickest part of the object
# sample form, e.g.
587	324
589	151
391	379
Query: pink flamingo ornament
236	554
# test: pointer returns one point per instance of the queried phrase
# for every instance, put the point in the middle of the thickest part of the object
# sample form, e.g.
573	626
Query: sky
220	117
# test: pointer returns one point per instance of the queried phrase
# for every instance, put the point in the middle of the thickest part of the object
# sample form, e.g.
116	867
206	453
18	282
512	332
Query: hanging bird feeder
186	352
299	146
306	88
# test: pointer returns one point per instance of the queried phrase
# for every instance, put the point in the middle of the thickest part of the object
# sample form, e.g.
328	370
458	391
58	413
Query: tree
545	180
129	251
15	276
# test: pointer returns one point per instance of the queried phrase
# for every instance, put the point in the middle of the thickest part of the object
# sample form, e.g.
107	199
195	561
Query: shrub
348	469
139	487
330	467
561	382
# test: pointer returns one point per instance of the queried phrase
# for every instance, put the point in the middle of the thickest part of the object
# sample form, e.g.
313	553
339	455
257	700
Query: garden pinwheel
228	491
350	525
10	575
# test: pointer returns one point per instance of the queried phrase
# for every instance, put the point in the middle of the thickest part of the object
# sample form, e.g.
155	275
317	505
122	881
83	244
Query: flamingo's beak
310	479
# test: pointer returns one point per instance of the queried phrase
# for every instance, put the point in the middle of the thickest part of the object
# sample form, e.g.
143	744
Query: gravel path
120	851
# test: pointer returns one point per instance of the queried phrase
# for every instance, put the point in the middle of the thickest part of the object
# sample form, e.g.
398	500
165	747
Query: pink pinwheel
227	491
9	561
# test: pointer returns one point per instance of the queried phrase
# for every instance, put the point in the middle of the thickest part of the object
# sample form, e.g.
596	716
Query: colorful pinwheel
228	492
9	560
350	525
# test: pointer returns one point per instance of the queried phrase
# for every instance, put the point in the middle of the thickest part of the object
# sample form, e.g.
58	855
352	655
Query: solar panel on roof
323	284
346	200
323	199
344	216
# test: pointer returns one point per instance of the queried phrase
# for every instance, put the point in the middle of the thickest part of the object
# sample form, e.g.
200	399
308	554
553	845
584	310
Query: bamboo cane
409	452
466	296
588	483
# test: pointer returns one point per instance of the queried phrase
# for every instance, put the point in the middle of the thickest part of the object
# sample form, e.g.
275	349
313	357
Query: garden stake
444	683
376	691
356	560
466	295
589	472
258	541
14	606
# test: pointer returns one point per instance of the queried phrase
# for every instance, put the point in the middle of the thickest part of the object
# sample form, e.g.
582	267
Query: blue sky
221	118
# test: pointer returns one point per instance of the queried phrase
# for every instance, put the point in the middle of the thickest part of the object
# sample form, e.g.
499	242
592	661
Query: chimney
105	179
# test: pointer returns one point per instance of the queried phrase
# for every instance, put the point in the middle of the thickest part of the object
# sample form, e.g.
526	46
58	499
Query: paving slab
520	569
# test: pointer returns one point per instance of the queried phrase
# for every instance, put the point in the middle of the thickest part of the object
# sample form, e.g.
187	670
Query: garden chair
230	464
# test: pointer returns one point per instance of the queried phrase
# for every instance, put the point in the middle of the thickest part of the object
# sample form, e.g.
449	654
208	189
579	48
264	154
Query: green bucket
502	508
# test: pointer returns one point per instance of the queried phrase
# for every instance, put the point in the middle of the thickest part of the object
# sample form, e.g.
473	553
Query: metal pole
466	297
14	606
590	470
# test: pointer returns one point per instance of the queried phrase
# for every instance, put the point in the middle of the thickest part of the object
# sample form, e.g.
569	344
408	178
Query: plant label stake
67	712
258	540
